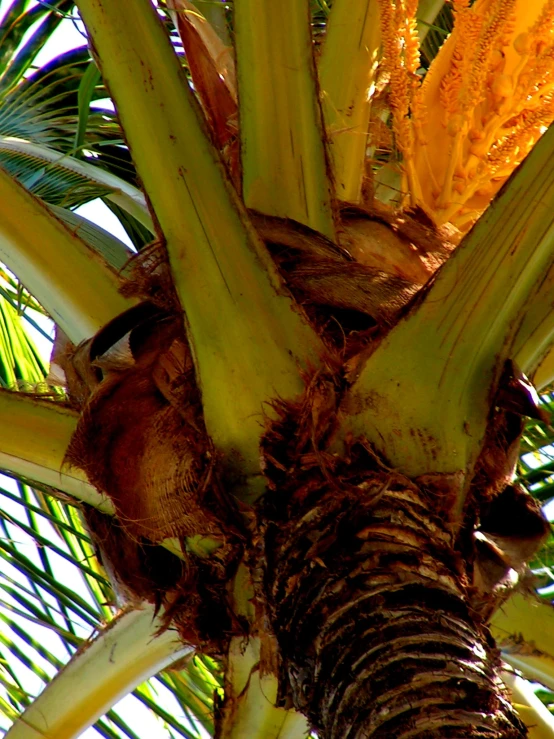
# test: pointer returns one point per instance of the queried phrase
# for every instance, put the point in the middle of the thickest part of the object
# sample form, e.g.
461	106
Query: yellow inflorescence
401	62
487	97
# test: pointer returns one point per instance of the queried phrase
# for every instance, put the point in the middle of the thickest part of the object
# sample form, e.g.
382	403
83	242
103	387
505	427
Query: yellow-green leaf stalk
544	374
534	342
127	651
533	664
73	283
251	685
524	630
282	147
248	342
424	395
122	193
347	76
250	697
427	11
534	714
34	436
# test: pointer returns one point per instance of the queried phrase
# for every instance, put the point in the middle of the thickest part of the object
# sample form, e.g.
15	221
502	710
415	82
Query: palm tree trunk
370	601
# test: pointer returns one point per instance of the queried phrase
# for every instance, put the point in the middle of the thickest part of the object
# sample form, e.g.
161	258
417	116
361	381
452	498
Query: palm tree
289	432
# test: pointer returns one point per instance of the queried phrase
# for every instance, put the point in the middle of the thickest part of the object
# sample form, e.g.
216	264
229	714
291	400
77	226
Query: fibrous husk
351	291
140	438
191	591
149	278
298	437
138	570
407	243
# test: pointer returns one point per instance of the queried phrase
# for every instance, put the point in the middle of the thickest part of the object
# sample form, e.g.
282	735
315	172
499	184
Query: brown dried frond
212	68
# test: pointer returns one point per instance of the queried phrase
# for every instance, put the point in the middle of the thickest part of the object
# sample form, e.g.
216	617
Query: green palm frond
44	107
536	464
53	184
50	105
16	53
41	21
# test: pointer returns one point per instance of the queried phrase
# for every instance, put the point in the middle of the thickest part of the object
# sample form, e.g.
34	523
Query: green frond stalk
250	687
127	651
532	711
75	285
283	158
534	341
114	251
248	342
426	409
523	630
537	667
34	436
427	11
122	193
347	75
544	375
250	697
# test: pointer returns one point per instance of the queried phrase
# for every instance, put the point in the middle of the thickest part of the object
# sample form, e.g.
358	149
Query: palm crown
319	460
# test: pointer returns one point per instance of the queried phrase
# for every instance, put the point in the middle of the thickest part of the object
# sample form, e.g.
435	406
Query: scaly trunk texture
371	605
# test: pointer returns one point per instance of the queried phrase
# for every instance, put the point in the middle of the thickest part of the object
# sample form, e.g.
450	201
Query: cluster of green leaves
536	473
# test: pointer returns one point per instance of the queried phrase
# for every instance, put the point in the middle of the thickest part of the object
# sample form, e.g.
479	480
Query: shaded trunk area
372	607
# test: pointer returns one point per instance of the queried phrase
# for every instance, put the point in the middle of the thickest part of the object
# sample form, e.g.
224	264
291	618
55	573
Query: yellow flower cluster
400	62
486	99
